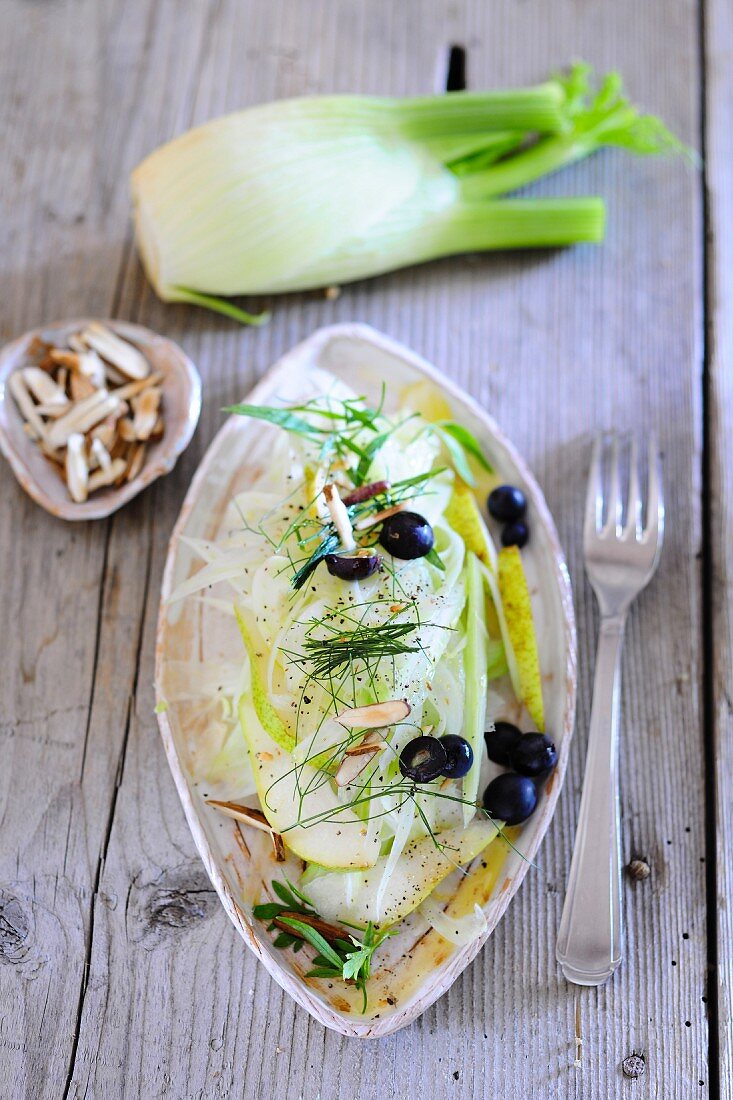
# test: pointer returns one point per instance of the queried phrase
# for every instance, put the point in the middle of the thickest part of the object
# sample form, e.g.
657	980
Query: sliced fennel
422	866
476	662
316	191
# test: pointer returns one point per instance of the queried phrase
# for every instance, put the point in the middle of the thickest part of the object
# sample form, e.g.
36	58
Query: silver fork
621	555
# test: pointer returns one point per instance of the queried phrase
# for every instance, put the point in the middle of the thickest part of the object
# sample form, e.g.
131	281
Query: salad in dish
359	721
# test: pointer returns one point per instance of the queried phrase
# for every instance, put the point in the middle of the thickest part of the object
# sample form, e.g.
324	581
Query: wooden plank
719	156
553	345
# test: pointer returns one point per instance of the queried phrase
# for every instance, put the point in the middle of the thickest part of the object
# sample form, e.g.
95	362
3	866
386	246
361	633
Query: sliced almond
132	389
339	516
57	457
62	357
158	430
106	433
53	412
101	454
62	377
101	477
146	412
116	351
83	416
126	430
77	470
81	386
91	365
37	349
43	388
355	761
135	462
375	715
378	517
249	816
25	404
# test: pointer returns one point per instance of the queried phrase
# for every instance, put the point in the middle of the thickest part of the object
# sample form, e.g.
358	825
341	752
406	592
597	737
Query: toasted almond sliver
62	377
81	386
279	846
100	477
116	351
369	521
158	430
105	432
366	748
135	462
92	367
58	457
53	412
354	763
64	358
37	349
25	404
132	389
77	470
101	454
339	516
126	430
375	716
247	814
146	412
43	387
83	416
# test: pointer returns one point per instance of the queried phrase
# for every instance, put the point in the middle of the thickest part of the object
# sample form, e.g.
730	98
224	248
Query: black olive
407	535
515	534
506	503
460	756
501	741
423	759
534	754
510	798
355	567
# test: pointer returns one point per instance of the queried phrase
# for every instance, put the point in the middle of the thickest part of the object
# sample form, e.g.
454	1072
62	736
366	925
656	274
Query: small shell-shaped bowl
181	408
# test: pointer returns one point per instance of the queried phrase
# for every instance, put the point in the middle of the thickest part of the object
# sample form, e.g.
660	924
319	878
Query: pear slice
425	398
517	609
290	793
268	716
463	514
419	869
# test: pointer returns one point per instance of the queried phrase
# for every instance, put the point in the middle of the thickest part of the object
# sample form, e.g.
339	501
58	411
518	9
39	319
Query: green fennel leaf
435	559
283	418
468	441
457	454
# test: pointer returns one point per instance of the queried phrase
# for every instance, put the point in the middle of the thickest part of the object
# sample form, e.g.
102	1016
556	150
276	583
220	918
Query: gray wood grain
719	157
106	912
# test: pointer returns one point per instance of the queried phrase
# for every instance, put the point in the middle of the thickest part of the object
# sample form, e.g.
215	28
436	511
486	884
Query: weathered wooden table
120	974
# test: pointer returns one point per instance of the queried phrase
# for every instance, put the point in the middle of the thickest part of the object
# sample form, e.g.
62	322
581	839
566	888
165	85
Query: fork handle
590	940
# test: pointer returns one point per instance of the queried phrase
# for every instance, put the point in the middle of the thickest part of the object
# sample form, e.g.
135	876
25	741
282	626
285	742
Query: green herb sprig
348	960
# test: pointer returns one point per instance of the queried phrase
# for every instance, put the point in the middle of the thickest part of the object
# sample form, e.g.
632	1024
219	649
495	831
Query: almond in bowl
91	412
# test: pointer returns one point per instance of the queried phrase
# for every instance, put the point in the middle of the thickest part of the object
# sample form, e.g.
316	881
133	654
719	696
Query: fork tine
633	506
594	494
613	504
654	528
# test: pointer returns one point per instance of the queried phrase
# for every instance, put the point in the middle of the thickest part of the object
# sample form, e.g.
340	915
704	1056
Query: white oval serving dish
418	964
